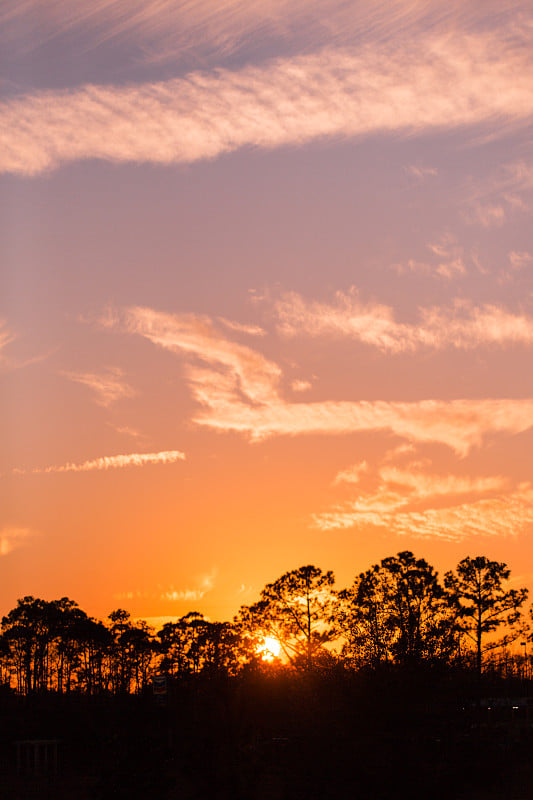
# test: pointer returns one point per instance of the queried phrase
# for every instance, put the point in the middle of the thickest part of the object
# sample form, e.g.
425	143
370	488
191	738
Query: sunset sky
266	294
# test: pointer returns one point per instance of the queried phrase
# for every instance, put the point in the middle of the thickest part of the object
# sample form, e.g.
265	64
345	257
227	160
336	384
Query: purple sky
266	294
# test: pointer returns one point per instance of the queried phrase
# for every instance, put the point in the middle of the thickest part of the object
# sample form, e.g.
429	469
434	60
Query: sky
266	294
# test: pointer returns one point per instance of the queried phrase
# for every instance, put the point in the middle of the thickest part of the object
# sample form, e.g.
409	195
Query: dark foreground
271	737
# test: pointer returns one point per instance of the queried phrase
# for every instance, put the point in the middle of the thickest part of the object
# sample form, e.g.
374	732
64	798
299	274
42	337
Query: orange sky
266	295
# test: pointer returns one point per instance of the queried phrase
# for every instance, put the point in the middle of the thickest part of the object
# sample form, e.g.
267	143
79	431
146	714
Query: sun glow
269	649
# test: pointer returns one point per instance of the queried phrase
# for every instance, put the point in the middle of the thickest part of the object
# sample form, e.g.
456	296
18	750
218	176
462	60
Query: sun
269	649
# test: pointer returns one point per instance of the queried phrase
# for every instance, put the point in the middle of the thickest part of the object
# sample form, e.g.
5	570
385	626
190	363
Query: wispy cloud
420	173
463	325
205	584
414	502
166	30
116	462
248	372
489	215
441	82
519	259
5	338
9	362
189	595
459	424
420	485
109	386
12	538
399	452
506	515
239	327
371	323
450	263
492	201
238	390
126	431
469	326
352	474
301	386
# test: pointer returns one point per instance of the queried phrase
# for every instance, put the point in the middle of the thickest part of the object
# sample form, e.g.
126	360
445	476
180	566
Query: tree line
398	612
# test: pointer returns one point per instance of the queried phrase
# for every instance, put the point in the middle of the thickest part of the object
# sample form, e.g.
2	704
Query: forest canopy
397	612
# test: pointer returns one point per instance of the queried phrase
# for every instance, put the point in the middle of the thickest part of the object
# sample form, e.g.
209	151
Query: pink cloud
462	326
117	462
12	537
414	502
500	516
249	372
441	82
238	390
167	30
109	386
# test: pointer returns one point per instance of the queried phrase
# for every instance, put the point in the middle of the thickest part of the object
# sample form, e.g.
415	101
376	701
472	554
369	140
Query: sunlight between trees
397	612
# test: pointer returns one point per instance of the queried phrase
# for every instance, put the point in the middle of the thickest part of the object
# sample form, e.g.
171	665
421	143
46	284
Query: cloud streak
461	326
410	501
109	386
500	516
352	474
9	362
175	29
247	372
459	424
206	584
421	485
509	190
11	538
5	337
239	390
188	595
441	83
239	327
117	462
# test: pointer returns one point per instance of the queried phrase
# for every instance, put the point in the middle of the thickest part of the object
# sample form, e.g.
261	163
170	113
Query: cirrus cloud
12	537
109	386
115	462
238	389
462	325
5	336
205	584
496	516
411	501
158	31
439	83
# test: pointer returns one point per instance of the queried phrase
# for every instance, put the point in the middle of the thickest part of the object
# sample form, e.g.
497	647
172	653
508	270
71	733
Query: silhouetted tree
173	638
218	642
119	624
96	646
5	661
193	625
64	619
27	631
397	611
362	620
483	604
419	610
138	645
133	652
295	610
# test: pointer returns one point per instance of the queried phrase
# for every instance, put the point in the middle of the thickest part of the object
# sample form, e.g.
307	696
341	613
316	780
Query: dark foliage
396	613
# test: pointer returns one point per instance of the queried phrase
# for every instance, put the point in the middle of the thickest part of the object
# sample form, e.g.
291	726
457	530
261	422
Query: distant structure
37	756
